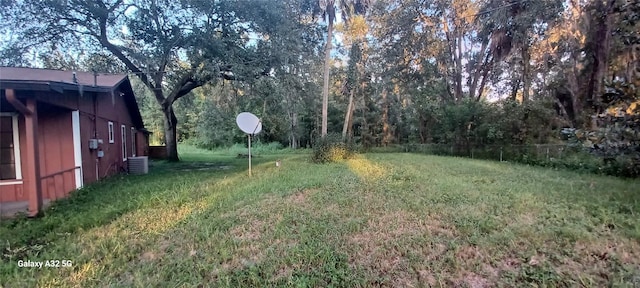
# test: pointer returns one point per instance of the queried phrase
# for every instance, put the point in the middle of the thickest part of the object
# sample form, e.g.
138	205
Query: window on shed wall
111	133
9	148
133	142
123	131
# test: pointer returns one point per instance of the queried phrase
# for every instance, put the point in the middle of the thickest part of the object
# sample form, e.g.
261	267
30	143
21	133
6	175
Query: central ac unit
138	165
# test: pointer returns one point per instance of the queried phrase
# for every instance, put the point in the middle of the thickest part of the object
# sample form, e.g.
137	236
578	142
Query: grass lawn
379	220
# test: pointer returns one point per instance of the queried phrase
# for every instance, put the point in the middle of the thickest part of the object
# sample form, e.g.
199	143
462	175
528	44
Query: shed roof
60	76
59	80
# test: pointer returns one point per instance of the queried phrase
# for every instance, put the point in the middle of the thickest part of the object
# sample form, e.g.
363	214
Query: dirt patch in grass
251	231
391	243
472	280
301	197
473	270
246	255
526	219
509	264
426	276
601	260
255	227
155	253
376	249
390	226
252	237
253	252
285	271
469	253
626	252
148	256
598	262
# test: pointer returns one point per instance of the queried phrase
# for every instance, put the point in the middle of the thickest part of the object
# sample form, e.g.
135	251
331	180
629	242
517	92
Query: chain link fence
566	156
556	155
536	152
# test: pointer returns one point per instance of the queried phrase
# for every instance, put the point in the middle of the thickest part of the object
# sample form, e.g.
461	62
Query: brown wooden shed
60	130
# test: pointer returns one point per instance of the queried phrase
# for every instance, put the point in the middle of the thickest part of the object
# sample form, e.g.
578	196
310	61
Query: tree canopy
466	73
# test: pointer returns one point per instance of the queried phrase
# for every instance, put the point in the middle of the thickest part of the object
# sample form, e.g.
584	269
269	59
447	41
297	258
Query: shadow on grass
101	203
126	223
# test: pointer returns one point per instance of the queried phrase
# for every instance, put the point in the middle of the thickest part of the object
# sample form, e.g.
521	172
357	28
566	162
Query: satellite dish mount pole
251	125
249	139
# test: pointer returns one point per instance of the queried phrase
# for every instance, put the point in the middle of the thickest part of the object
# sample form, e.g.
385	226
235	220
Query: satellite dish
249	123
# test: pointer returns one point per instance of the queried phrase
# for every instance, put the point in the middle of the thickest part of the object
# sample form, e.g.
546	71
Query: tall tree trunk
353	111
577	111
422	131
451	48
478	68
485	75
386	132
170	132
294	127
526	70
364	133
325	86
347	115
514	89
317	124
487	65
459	66
350	126
291	108
633	64
601	43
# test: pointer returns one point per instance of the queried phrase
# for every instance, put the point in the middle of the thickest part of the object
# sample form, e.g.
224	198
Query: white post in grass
249	137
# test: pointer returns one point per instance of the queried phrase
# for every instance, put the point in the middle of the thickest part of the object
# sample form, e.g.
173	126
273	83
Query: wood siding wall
96	111
55	140
56	144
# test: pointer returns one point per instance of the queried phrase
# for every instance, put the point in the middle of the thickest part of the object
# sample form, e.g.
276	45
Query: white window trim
111	133
16	149
123	131
133	142
9	182
77	148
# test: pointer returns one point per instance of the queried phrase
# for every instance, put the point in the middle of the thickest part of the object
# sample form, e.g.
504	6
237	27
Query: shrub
267	148
616	142
331	148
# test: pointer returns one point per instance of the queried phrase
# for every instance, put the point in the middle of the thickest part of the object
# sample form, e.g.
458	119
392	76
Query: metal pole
547	153
249	139
560	155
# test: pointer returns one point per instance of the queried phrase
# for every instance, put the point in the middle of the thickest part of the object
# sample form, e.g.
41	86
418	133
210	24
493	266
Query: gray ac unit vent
138	165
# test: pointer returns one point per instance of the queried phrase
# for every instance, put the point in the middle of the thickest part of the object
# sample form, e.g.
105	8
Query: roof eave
59	87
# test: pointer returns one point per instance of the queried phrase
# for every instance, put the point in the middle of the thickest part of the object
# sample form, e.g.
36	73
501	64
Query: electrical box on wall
100	153
93	144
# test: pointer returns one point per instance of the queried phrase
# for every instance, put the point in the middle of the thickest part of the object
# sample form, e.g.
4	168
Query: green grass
257	149
378	220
